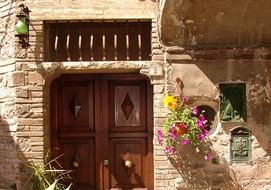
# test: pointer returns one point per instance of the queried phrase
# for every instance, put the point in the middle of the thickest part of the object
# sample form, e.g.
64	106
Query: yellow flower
170	102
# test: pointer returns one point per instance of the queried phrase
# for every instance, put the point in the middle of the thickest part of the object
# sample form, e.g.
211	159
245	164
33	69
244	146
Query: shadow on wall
197	173
8	157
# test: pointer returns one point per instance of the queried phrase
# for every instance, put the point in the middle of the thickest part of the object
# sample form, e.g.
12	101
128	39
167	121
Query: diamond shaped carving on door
75	106
127	106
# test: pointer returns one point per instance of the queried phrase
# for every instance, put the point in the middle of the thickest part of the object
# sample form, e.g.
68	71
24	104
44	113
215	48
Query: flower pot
180	129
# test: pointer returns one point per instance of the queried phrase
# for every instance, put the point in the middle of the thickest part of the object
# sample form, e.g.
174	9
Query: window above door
98	40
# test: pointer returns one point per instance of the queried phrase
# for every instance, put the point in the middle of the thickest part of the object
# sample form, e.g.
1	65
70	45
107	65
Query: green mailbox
240	145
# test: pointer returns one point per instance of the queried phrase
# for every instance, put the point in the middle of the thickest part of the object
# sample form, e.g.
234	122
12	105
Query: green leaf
68	187
52	186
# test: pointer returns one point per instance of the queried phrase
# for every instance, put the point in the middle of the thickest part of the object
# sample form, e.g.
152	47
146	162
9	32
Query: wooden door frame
101	107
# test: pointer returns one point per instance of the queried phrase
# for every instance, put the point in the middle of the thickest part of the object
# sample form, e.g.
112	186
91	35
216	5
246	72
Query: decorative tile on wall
232	102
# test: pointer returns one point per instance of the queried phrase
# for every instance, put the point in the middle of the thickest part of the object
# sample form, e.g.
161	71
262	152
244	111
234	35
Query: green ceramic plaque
240	145
232	102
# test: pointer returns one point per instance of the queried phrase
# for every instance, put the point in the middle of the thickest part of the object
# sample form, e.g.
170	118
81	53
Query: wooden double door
102	123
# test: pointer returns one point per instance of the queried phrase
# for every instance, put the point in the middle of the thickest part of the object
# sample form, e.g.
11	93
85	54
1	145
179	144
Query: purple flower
195	110
184	141
160	136
185	100
160	133
170	149
171	132
200	122
204	132
207	157
202	135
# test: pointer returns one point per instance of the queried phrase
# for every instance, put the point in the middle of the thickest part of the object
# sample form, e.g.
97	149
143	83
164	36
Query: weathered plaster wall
215	23
201	25
201	79
25	79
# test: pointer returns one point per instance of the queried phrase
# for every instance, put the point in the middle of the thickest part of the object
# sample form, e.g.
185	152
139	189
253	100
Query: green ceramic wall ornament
233	102
21	27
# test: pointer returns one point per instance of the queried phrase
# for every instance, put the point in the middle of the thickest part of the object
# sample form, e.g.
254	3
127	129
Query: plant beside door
45	176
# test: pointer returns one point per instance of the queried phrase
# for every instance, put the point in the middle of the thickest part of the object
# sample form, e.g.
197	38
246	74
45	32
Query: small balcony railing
98	41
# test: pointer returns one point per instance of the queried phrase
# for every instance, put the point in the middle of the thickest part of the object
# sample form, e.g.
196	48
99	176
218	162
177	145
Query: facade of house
92	81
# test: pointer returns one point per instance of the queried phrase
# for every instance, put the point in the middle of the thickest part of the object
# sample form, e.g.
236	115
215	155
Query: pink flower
207	157
203	134
200	122
170	149
195	110
185	100
172	135
171	132
160	136
184	141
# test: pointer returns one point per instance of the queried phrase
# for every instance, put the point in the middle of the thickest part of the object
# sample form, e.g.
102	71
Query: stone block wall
10	81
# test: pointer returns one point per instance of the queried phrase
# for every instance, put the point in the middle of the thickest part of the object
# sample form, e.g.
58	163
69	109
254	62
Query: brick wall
9	82
25	78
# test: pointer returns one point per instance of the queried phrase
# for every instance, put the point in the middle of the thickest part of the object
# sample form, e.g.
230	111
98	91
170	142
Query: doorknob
75	164
106	162
128	163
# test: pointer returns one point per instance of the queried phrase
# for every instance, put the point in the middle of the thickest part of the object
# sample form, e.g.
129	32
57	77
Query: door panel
80	157
73	128
127	104
77	106
125	151
99	122
129	132
127	108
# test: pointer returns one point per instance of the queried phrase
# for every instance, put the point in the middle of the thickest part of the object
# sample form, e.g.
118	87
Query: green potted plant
46	176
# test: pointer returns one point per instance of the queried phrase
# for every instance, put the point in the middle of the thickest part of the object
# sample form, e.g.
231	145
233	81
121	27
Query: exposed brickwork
26	80
9	80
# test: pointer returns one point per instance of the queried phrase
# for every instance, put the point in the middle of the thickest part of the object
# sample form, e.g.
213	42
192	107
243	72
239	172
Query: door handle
128	163
106	162
75	164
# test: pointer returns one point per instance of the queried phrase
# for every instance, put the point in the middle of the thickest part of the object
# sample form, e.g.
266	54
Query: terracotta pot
180	128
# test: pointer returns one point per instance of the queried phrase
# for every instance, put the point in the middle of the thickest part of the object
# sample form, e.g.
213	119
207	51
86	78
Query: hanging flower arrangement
184	125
